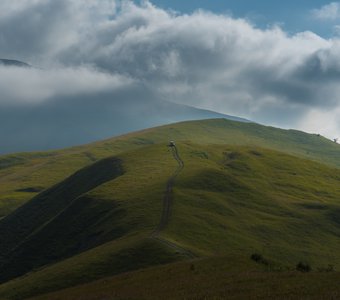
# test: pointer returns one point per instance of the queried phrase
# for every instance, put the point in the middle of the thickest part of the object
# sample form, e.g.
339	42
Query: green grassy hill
23	175
244	189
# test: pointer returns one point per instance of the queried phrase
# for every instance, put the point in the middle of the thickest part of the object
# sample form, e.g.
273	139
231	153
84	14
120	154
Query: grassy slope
79	214
248	199
137	193
232	197
114	257
231	277
23	175
228	199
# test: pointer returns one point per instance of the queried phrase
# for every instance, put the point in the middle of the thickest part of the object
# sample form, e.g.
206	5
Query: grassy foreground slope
112	199
230	277
24	175
228	200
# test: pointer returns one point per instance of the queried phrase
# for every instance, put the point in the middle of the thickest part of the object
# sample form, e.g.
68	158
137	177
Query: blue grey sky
293	16
273	62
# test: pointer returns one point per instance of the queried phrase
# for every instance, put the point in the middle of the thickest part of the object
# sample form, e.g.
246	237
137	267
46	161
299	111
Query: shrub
330	268
259	259
303	267
256	257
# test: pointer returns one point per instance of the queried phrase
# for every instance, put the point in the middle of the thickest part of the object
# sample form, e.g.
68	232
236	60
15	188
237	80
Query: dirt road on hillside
167	205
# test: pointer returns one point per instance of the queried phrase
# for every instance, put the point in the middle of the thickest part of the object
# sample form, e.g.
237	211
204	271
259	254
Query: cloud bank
23	86
203	59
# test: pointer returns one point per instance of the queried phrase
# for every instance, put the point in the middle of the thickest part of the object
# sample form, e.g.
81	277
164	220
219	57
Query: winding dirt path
167	204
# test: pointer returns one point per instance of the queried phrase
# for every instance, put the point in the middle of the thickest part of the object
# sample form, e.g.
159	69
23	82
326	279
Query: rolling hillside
23	175
128	203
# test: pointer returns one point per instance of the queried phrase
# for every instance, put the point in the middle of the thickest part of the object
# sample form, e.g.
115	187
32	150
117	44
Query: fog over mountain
93	59
94	116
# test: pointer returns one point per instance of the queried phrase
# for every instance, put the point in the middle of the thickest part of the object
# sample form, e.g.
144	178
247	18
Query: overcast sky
274	64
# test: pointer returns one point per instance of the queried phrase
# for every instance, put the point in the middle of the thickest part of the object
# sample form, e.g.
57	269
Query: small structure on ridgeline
336	140
172	144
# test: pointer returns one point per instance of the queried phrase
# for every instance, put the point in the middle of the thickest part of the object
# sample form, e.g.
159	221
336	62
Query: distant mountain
68	121
11	62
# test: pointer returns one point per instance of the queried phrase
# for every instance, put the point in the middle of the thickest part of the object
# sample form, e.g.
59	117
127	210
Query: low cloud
203	59
24	86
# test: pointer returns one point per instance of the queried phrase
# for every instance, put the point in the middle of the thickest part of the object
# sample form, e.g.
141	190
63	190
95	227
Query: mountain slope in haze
233	196
23	175
52	124
64	121
13	63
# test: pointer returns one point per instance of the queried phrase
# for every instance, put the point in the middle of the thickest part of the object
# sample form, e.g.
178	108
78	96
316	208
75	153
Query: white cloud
202	59
33	86
328	12
324	122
